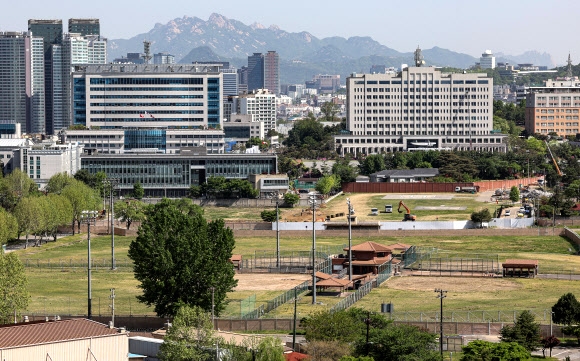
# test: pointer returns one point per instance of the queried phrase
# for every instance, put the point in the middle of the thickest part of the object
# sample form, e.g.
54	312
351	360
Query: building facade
169	175
22	81
163	58
255	71
423	109
272	72
261	105
148	96
487	60
553	109
84	27
156	140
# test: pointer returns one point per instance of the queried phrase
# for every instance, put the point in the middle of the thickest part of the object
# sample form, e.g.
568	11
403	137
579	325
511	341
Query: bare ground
463	285
268	281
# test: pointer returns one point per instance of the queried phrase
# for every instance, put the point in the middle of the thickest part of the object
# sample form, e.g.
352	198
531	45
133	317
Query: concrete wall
495	184
572	235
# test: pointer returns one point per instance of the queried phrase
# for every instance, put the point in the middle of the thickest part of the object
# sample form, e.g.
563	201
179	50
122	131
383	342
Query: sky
466	26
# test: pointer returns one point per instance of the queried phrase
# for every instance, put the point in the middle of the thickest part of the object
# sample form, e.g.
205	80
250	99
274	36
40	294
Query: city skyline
504	27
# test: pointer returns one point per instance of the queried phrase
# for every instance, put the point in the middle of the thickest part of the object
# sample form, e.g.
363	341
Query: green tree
481	216
138	191
13	282
15	186
399	343
344	171
372	164
525	331
130	211
179	257
195	191
190	336
58	182
28	212
57	212
326	184
514	194
291	199
360	358
566	310
8	226
270	349
81	198
329	111
489	351
268	215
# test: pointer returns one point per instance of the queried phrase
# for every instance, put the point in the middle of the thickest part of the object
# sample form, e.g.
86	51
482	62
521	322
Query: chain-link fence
541	315
75	263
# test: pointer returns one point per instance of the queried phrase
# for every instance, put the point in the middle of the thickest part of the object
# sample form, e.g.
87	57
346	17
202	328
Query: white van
374	212
388	208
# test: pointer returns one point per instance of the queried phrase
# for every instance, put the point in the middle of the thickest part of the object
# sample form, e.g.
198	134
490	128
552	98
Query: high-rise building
421	109
272	72
51	32
22	81
230	81
261	105
255	72
84	26
165	96
487	60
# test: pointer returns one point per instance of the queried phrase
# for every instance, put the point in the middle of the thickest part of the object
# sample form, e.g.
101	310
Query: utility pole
349	240
277	200
88	217
294	327
112	183
313	199
441	295
112	297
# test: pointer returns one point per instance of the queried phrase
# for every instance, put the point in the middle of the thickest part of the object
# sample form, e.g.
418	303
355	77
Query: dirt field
463	285
268	281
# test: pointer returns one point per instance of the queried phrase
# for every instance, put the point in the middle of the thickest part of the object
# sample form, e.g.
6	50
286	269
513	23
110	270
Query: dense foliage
220	187
479	350
179	257
14	295
525	332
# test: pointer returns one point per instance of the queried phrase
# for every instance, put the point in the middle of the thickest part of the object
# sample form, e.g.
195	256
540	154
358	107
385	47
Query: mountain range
302	55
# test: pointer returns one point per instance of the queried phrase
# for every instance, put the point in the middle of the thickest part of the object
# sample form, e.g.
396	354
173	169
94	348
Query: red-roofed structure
520	268
73	339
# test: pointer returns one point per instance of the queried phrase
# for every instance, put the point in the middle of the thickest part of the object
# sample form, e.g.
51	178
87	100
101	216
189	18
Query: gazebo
520	268
341	284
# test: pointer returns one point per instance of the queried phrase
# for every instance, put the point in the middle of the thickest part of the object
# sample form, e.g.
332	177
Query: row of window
146	96
146	104
146	89
472	81
550	111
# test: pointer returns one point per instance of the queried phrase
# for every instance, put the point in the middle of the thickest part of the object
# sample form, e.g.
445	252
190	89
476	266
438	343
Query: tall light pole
441	295
349	240
89	217
313	200
112	183
276	199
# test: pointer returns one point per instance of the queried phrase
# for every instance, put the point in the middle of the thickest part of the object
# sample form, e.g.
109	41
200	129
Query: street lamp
112	183
314	201
277	199
349	240
89	217
441	296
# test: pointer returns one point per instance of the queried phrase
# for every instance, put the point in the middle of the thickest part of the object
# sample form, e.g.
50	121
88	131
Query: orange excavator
408	216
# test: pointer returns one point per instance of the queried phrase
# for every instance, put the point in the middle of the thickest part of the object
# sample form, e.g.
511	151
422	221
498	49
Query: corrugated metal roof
25	334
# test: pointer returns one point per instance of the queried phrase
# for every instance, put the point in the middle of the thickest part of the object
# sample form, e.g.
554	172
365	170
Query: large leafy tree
130	211
14	296
81	198
566	310
525	331
58	182
179	257
399	343
138	191
8	226
29	214
14	187
190	337
372	164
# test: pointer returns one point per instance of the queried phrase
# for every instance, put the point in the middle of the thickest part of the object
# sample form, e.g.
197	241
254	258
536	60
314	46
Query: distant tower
569	69
272	72
419	57
255	71
84	26
147	51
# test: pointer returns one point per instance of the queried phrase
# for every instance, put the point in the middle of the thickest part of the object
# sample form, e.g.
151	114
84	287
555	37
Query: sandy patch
452	285
440	208
417	196
268	281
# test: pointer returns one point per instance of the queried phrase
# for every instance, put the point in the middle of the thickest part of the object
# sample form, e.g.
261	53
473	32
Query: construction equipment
554	160
408	216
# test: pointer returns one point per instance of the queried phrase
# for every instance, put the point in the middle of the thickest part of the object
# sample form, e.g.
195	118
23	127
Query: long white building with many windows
419	109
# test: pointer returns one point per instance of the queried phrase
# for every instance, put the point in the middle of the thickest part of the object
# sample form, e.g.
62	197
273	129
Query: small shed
520	268
236	260
341	284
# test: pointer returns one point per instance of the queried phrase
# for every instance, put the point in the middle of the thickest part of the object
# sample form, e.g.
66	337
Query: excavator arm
401	204
554	160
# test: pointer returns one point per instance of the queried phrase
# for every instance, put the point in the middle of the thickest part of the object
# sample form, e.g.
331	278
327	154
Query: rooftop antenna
147	51
419	57
569	69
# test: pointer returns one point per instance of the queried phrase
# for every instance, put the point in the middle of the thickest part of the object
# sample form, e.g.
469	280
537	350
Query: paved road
562	352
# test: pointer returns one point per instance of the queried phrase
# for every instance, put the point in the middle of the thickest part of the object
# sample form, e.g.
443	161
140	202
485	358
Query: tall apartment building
422	109
554	108
163	58
84	26
255	71
487	60
261	105
51	32
263	72
22	98
148	96
272	72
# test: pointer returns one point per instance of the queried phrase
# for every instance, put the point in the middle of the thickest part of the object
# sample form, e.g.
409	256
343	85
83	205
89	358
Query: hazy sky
466	26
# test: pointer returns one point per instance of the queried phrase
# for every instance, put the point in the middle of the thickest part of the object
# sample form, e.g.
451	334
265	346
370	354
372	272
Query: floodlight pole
441	296
88	217
313	200
277	200
349	240
113	182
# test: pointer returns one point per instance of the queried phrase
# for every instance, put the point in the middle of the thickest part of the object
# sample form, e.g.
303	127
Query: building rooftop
403	173
36	333
370	247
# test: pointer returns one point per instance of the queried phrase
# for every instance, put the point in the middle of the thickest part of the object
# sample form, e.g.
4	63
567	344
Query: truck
471	190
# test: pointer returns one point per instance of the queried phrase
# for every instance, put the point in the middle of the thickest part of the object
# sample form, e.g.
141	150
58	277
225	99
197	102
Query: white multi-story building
487	60
148	96
421	109
262	105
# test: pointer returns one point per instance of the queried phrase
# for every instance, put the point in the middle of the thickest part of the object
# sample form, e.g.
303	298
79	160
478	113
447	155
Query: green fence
286	297
74	263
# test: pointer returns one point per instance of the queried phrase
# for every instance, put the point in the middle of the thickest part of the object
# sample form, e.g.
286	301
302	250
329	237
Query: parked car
374	212
388	208
508	213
